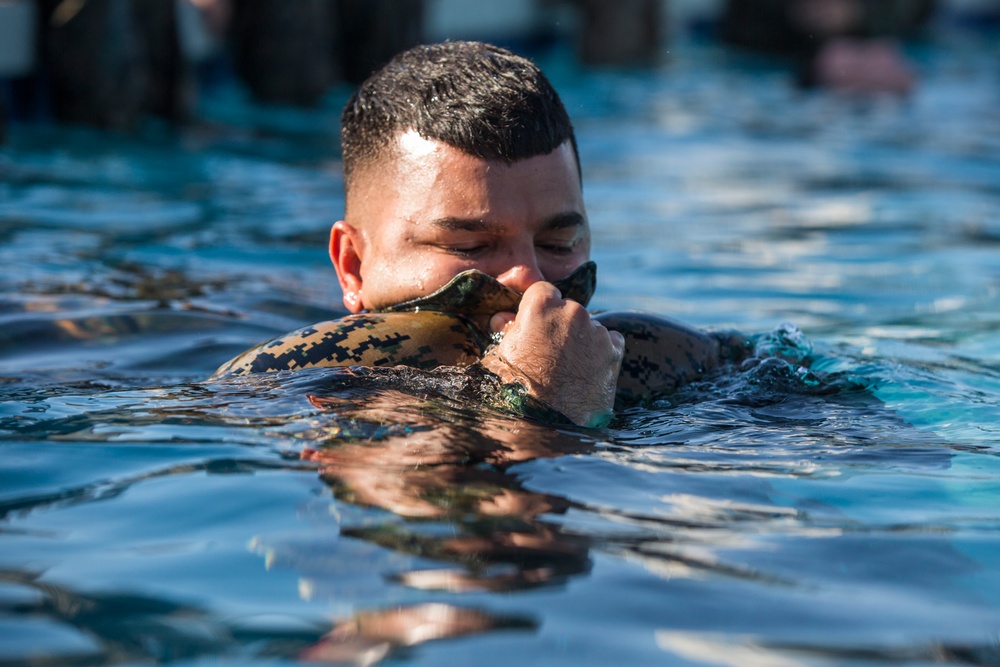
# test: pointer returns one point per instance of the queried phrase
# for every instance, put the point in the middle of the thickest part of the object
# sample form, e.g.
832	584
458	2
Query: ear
345	252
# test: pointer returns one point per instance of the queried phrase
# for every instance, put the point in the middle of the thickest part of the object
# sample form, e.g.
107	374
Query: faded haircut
478	98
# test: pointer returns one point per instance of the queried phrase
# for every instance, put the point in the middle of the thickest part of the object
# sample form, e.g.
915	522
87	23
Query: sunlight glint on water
833	500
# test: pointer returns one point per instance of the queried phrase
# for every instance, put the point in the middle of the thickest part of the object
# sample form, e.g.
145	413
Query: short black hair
476	97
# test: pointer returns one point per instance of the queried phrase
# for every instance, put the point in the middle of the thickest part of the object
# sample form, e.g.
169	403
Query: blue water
833	501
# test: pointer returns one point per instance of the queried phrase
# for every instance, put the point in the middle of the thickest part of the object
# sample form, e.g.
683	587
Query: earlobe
345	253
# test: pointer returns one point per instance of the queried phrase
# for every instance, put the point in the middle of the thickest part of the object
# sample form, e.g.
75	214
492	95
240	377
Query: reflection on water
747	652
455	472
121	628
371	636
830	500
431	495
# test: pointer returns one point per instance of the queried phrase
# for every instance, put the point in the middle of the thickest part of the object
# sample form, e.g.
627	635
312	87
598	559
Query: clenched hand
559	353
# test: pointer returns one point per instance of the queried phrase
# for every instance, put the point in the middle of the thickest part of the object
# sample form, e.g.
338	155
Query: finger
500	321
539	294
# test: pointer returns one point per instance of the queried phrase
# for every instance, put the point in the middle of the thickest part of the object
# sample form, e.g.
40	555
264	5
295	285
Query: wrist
507	393
513	392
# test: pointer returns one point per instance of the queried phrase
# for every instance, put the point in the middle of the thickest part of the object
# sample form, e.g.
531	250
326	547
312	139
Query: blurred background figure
621	33
89	59
17	52
105	62
850	45
373	31
294	52
281	49
112	63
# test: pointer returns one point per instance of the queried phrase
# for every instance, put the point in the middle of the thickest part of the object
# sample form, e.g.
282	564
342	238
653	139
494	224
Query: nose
521	275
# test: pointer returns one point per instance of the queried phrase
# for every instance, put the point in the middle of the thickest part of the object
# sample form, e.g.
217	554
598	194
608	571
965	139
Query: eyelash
471	252
558	249
464	252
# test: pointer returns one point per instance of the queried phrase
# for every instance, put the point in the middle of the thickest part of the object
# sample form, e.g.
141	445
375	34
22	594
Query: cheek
436	273
560	267
406	278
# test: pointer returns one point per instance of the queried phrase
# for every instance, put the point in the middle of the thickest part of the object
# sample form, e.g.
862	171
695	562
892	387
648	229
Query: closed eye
464	251
557	249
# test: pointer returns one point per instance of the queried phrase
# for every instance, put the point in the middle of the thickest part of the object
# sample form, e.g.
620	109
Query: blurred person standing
848	45
623	33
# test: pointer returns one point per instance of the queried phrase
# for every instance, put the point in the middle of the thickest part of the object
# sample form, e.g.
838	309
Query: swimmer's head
457	156
481	99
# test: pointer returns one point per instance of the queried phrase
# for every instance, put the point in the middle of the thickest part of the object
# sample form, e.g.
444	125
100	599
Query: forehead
414	146
435	167
415	167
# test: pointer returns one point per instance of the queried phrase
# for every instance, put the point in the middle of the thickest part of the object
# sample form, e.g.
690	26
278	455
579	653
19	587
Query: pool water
834	500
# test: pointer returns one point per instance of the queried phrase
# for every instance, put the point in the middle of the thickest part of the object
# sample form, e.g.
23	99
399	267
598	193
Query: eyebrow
559	221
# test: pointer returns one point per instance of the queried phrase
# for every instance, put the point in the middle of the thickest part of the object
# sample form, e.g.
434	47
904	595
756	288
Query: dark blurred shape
292	52
622	33
844	44
371	32
17	55
108	62
279	48
798	26
170	81
91	58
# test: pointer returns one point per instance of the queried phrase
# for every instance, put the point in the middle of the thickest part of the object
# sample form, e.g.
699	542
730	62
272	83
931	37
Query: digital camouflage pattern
450	327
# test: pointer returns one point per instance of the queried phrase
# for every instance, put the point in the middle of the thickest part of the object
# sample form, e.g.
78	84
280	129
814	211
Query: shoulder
425	339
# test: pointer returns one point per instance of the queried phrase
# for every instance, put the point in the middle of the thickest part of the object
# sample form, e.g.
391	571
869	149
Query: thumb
500	321
618	343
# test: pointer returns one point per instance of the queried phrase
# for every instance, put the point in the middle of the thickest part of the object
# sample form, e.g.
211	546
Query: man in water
460	156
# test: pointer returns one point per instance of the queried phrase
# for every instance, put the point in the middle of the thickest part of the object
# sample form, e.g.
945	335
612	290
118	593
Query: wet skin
517	227
421	216
427	211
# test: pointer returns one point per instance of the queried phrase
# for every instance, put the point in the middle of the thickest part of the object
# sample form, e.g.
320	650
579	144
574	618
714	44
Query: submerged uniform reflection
431	462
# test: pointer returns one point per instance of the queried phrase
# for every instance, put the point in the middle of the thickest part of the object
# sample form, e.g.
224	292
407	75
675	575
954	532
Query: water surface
832	501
